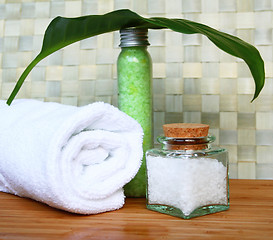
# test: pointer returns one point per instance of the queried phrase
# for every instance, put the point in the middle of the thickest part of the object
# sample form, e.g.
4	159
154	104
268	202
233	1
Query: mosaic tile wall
193	80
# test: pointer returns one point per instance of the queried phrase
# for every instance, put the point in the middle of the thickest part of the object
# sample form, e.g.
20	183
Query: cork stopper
185	130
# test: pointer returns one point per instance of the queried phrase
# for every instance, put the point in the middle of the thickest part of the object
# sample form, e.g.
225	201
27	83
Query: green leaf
62	32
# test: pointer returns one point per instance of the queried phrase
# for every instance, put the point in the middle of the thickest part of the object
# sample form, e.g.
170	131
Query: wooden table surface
250	217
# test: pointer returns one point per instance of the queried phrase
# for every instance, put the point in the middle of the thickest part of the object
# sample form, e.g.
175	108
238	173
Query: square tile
210	103
228	137
246	170
264	154
192	103
192	117
246	137
174	103
192	70
264	171
192	86
246	120
210	86
212	119
173	117
247	153
228	120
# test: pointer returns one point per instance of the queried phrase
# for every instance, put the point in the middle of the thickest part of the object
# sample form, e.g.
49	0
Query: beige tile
1	28
173	7
174	103
174	86
264	154
156	7
174	70
246	120
227	20
12	28
69	89
228	86
159	103
104	56
87	88
73	8
210	103
264	171
191	6
191	54
228	70
246	34
210	19
247	153
228	120
192	103
192	117
104	87
42	9
192	85
104	71
6	89
246	137
53	89
158	54
228	103
171	117
210	86
192	70
105	40
245	20
264	120
159	70
73	101
245	86
264	103
105	6
245	104
54	73
211	119
38	89
246	170
173	38
245	5
40	25
70	73
87	72
228	137
174	54
88	57
268	69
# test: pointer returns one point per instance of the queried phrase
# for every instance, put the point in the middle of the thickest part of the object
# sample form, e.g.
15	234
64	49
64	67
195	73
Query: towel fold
73	158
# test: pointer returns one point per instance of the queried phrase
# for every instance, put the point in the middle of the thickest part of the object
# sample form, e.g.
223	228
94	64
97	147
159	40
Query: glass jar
134	70
187	177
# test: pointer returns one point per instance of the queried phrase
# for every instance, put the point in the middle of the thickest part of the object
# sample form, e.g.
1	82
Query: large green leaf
62	32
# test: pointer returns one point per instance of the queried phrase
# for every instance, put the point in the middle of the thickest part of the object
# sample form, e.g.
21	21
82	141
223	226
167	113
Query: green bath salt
134	69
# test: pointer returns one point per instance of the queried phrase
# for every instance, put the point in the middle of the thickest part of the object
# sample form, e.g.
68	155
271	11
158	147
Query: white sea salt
186	183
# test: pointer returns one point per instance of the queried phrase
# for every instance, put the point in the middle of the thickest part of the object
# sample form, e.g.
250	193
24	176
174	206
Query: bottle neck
202	143
134	37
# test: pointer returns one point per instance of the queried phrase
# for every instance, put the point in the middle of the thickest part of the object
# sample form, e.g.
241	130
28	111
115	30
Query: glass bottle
134	69
187	177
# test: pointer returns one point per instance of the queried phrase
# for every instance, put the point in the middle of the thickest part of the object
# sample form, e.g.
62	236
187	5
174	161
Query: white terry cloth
73	158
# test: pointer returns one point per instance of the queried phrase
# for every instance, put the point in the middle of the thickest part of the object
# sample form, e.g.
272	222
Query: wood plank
250	217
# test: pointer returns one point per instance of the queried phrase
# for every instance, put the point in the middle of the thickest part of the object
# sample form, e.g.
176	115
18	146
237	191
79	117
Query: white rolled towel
73	158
